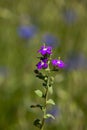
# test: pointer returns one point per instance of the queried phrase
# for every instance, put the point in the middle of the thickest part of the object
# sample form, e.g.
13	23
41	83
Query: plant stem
46	97
45	105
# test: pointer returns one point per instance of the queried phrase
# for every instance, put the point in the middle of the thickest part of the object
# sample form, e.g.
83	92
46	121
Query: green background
18	56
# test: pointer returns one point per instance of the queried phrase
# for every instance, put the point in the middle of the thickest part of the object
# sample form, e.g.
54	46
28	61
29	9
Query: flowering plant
47	64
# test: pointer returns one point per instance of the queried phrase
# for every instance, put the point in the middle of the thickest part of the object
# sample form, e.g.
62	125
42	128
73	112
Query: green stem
46	97
45	108
45	105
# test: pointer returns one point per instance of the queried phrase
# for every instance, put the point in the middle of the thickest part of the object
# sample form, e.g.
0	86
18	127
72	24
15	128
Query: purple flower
42	64
50	40
45	50
26	31
58	63
55	111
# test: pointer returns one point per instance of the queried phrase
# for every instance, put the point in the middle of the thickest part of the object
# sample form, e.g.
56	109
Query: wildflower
45	50
58	63
26	31
50	40
42	64
55	111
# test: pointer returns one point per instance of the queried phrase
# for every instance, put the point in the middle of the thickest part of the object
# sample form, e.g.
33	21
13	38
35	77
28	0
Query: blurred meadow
24	26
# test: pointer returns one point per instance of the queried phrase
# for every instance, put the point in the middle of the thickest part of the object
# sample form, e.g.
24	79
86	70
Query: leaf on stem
39	93
37	106
49	116
50	101
50	89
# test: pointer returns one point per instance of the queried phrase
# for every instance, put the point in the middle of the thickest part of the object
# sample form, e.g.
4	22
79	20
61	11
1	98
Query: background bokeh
24	26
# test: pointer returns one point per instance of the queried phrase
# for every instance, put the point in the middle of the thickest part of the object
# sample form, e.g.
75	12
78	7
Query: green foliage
50	101
50	89
39	93
49	116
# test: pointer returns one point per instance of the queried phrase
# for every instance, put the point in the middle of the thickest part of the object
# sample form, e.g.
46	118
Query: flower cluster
46	52
46	62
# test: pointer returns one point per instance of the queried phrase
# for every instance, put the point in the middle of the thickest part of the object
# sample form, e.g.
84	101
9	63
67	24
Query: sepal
37	106
37	123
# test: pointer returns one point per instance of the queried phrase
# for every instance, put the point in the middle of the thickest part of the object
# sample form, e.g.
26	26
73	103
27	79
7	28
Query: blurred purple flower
45	50
69	16
53	111
58	63
76	61
50	40
4	71
42	64
26	31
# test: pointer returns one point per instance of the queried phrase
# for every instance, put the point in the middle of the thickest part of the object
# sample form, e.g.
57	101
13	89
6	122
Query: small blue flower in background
26	31
69	16
50	40
76	61
4	72
55	111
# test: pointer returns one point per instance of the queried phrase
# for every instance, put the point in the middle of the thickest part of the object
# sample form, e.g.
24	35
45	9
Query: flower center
42	63
58	62
45	49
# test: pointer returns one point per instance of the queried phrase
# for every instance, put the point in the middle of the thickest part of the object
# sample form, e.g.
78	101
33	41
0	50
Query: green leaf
50	101
48	116
52	78
50	89
39	93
